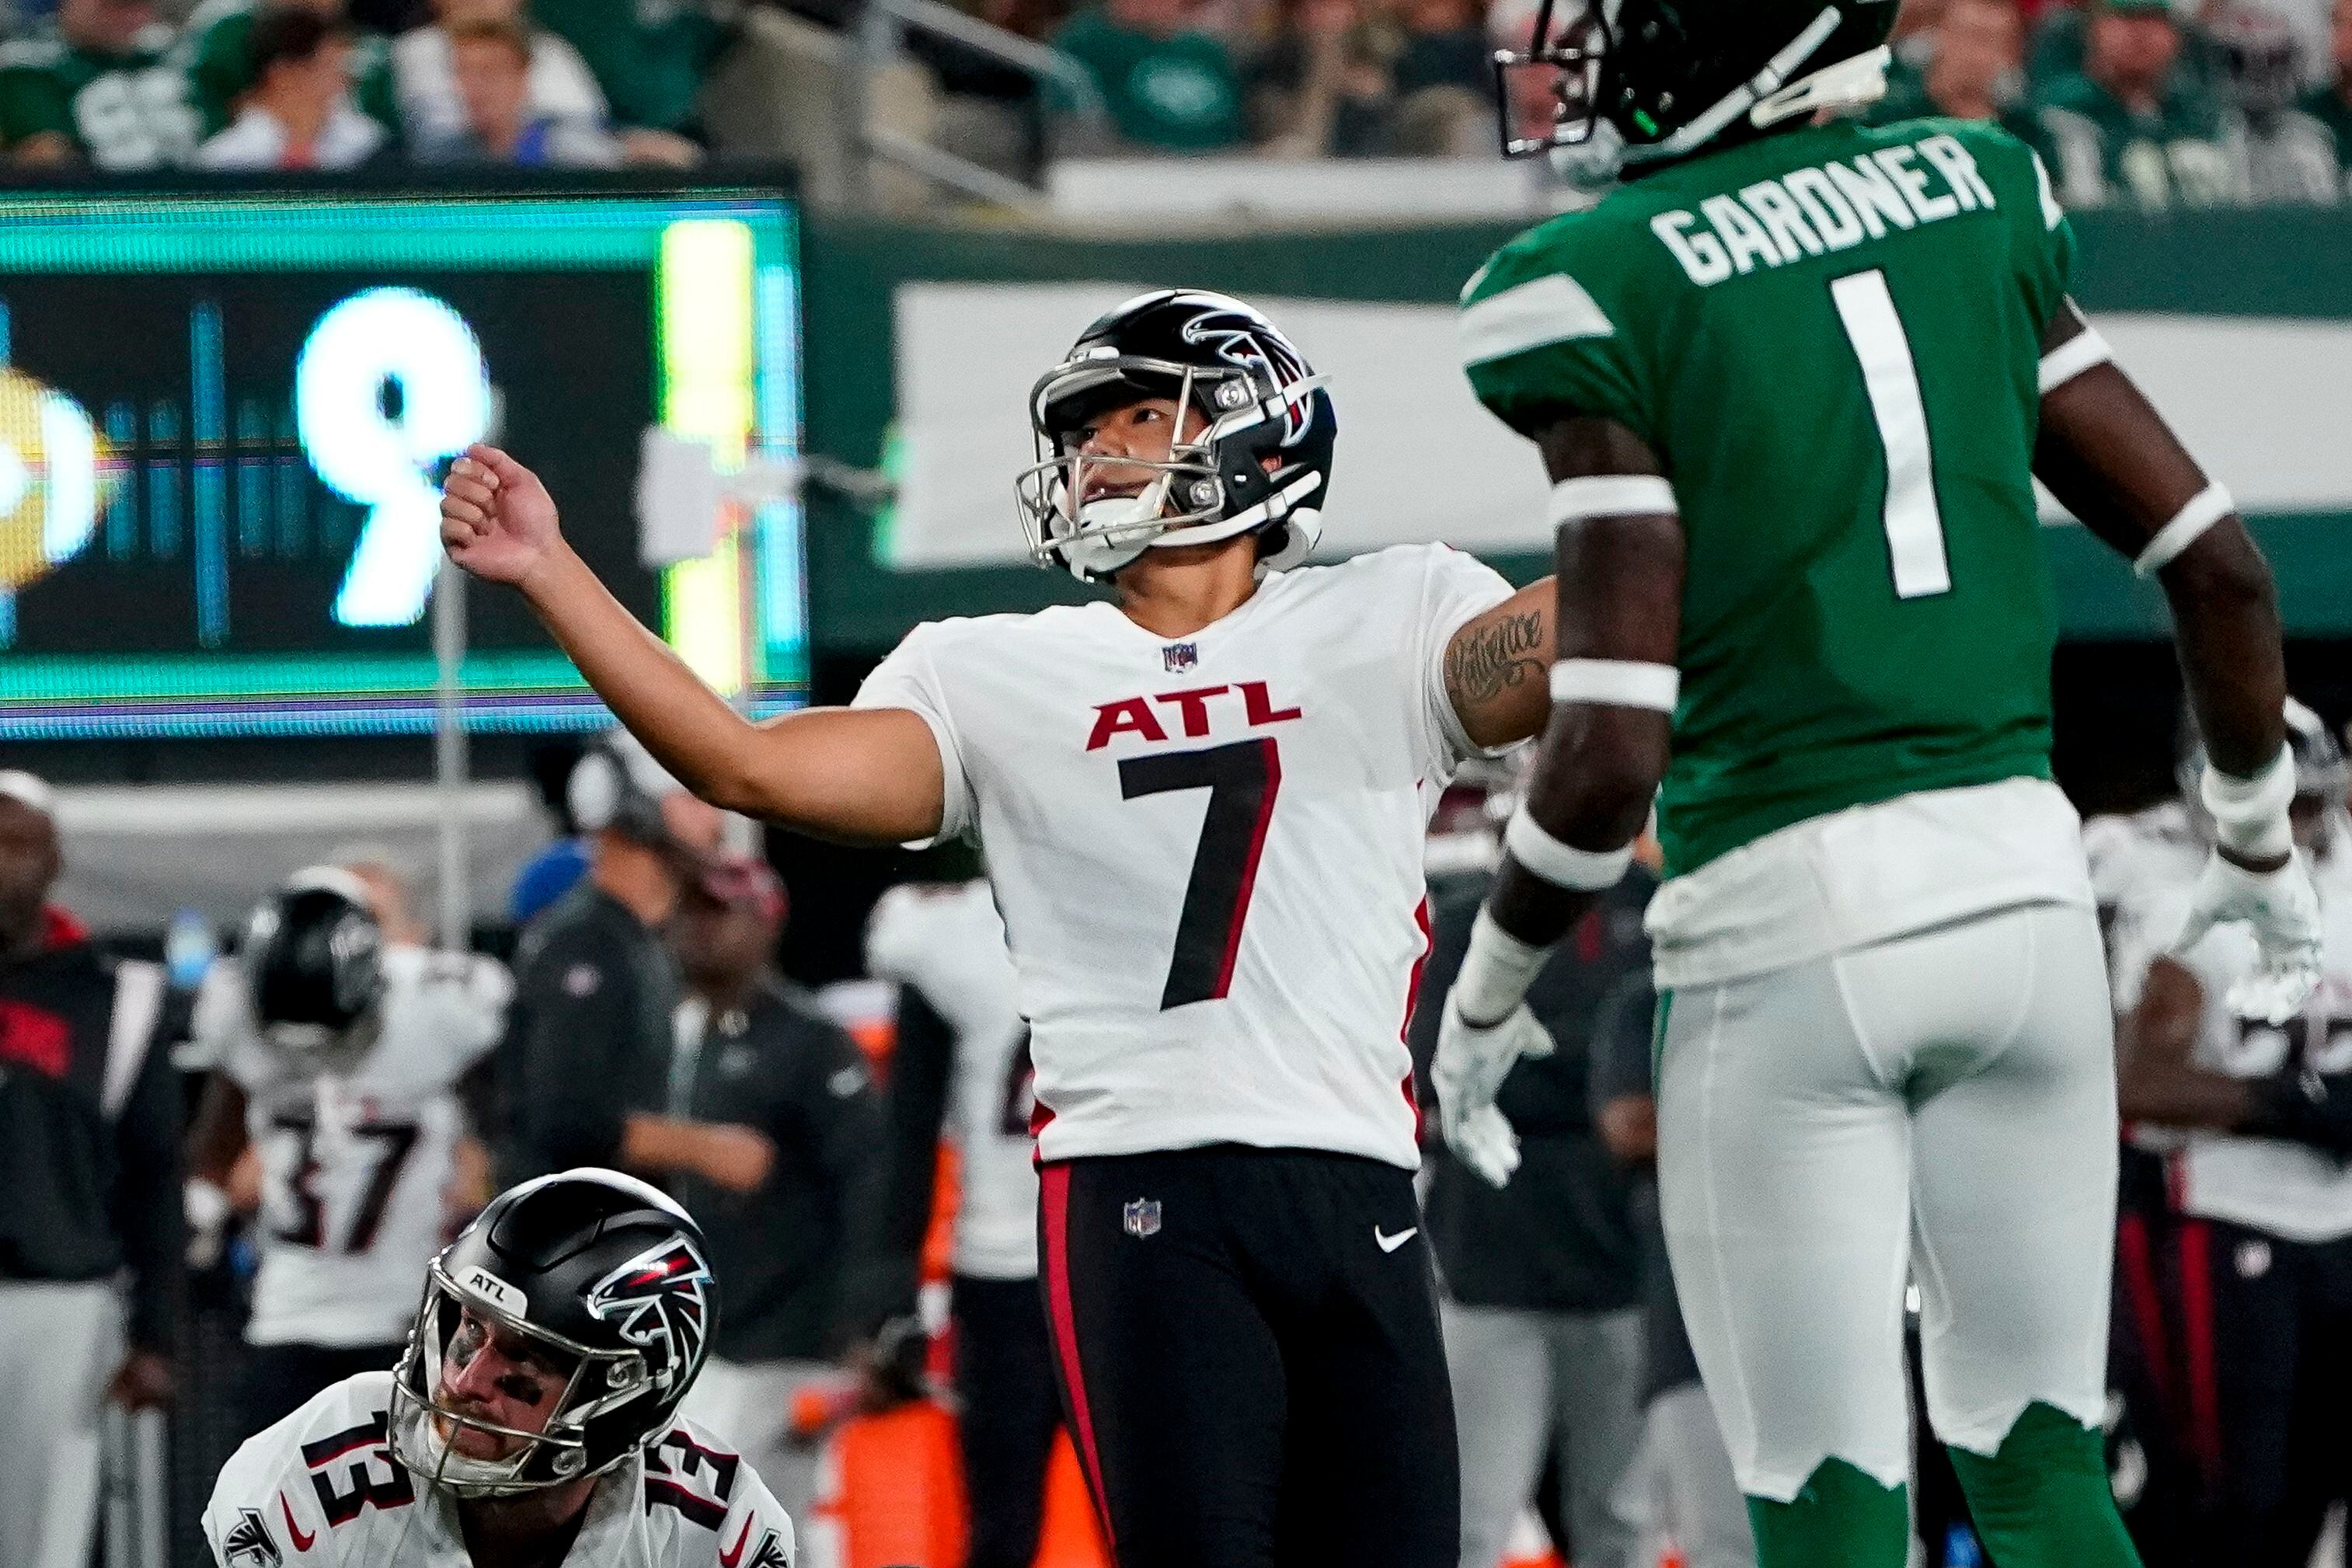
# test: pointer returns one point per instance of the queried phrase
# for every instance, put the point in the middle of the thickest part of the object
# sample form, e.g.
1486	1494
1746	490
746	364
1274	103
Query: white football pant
1938	1109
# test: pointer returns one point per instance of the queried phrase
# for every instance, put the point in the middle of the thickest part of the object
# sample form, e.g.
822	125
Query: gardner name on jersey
1861	618
1207	850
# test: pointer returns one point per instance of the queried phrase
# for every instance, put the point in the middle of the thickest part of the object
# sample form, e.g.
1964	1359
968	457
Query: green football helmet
1664	78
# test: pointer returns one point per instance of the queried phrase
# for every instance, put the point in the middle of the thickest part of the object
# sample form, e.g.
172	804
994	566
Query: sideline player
1203	805
2241	1298
532	1419
1792	383
339	1040
961	1064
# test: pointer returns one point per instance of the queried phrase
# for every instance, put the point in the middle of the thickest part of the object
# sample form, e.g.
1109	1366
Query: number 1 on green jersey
1915	527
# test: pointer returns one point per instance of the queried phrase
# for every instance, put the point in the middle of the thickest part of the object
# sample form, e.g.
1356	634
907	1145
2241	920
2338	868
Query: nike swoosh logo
734	1554
302	1541
1391	1242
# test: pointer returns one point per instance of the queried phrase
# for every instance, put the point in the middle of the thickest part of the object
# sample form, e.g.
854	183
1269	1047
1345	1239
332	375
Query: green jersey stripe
1553	309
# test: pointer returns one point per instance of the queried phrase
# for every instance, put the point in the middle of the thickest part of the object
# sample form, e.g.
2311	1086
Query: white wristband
1609	494
2250	816
1496	970
2205	507
1563	864
1619	682
2072	358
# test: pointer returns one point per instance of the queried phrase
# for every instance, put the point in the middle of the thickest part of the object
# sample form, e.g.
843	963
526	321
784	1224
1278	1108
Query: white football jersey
1207	849
321	1488
2145	867
947	942
357	1146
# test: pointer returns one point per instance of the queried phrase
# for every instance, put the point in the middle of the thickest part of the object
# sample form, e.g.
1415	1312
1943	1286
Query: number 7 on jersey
1242	780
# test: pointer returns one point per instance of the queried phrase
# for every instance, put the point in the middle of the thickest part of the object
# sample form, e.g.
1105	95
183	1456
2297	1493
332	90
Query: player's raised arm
1604	749
2109	456
1613	688
871	774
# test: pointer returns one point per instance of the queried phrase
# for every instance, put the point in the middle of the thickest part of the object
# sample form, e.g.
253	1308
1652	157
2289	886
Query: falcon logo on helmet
1250	453
1240	338
605	1276
657	1301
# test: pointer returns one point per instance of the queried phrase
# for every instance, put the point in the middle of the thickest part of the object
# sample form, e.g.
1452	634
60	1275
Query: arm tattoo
1487	660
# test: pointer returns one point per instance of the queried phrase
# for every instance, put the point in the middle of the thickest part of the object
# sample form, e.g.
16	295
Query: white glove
1468	1071
2283	909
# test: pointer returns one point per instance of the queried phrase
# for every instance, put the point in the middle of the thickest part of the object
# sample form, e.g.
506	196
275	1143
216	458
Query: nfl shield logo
1143	1217
1178	656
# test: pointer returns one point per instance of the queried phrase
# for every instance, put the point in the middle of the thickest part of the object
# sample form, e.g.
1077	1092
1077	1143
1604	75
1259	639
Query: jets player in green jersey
105	85
1793	381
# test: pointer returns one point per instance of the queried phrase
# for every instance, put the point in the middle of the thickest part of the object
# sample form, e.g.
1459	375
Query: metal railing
880	39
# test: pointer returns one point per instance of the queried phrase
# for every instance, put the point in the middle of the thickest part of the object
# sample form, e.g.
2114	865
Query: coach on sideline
89	1139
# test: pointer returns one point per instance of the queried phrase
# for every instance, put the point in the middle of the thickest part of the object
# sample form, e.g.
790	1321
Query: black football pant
1249	1358
277	1380
2240	1343
1004	1384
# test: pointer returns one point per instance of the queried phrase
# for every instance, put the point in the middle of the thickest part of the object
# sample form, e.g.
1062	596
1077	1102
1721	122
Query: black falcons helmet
1261	461
313	958
1668	77
605	1273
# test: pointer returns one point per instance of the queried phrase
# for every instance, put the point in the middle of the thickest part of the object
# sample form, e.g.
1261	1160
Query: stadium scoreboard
224	416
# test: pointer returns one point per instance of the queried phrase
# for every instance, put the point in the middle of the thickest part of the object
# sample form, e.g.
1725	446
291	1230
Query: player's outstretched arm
2107	455
1604	749
1618	622
871	775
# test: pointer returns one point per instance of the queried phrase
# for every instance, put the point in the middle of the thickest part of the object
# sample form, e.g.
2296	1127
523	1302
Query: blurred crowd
292	84
2154	103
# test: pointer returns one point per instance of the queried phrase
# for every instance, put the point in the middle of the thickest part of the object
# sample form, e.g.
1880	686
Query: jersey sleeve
468	994
1540	335
1456	588
894	932
2139	908
910	678
221	1031
263	1509
2043	241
